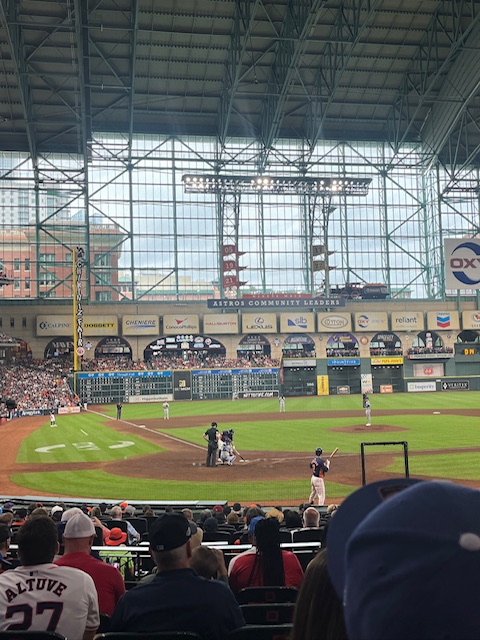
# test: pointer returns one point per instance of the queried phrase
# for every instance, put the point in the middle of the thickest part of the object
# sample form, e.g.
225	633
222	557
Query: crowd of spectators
343	353
206	360
428	350
386	351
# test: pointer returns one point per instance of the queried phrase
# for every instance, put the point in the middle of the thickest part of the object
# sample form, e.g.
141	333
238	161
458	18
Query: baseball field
143	457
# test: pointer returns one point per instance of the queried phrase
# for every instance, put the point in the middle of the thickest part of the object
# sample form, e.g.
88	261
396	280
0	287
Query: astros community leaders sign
271	303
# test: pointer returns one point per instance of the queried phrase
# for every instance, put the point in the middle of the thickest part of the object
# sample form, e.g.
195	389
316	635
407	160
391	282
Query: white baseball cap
79	526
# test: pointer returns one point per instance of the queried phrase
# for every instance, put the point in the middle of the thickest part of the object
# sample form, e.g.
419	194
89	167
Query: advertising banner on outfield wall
297	322
443	320
328	322
322	386
182	385
428	369
371	321
140	326
386	360
180	323
100	325
419	387
54	326
462	263
264	322
407	321
220	323
471	319
366	382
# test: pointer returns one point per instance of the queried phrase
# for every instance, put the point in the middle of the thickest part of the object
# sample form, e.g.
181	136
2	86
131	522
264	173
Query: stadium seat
262	632
252	595
285	535
216	536
160	635
30	635
271	613
309	535
121	524
140	524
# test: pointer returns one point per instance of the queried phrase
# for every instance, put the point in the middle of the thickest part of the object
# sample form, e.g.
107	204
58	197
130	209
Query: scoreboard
110	387
240	383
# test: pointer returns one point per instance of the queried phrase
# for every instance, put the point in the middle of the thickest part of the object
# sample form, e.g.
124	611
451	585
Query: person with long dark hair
318	610
269	565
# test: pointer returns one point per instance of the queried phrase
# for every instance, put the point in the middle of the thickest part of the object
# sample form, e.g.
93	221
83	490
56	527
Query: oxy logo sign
363	321
462	264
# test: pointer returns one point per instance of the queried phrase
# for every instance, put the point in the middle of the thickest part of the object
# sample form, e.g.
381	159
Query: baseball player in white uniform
166	410
368	412
281	404
53	422
41	596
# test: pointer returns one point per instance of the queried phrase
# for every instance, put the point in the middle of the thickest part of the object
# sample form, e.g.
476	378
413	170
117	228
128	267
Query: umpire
211	436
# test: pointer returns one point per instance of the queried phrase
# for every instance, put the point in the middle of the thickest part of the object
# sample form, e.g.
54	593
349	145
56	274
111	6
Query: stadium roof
395	70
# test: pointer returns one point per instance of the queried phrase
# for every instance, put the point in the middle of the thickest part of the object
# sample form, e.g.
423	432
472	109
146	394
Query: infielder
53	422
319	468
281	404
368	412
166	410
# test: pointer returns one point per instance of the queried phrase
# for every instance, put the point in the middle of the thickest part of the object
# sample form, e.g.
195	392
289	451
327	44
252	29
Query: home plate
436	413
141	426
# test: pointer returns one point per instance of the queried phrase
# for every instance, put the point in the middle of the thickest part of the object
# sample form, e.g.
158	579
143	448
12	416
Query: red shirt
239	577
108	580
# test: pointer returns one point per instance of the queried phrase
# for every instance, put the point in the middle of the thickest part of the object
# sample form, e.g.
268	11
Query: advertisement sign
68	410
343	362
419	387
371	321
181	323
322	386
275	303
335	321
257	394
428	369
100	325
456	385
299	362
381	360
462	263
366	382
386	388
407	321
140	326
343	390
264	322
54	326
443	320
297	322
471	319
220	323
182	385
158	397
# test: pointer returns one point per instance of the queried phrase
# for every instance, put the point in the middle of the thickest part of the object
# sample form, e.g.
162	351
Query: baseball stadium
255	216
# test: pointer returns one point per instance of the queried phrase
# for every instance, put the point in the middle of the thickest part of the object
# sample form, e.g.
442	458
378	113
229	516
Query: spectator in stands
237	508
69	606
210	525
209	563
311	518
177	599
78	539
6	562
133	535
233	518
318	610
406	563
293	519
7	518
20	515
276	513
120	558
269	565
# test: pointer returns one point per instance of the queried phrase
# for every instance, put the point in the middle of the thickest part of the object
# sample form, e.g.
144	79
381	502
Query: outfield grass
88	438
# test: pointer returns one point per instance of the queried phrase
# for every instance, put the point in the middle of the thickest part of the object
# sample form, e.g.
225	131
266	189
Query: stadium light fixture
320	186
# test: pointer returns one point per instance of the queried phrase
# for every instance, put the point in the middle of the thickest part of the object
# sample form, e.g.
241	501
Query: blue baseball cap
253	524
412	566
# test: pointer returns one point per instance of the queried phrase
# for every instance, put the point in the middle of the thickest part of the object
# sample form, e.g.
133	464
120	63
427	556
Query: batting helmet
318	451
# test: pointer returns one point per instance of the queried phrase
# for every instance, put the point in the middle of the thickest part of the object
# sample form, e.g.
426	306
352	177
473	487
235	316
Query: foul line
157	433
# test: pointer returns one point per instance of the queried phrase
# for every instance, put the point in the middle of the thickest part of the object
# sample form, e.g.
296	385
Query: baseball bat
334	452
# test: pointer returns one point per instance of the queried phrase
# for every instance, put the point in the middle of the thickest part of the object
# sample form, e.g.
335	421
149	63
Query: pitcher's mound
373	428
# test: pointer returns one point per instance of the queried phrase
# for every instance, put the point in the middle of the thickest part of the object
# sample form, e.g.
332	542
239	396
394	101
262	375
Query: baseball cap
79	526
5	533
116	537
349	515
217	508
169	531
124	505
69	513
253	524
8	506
55	509
414	557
